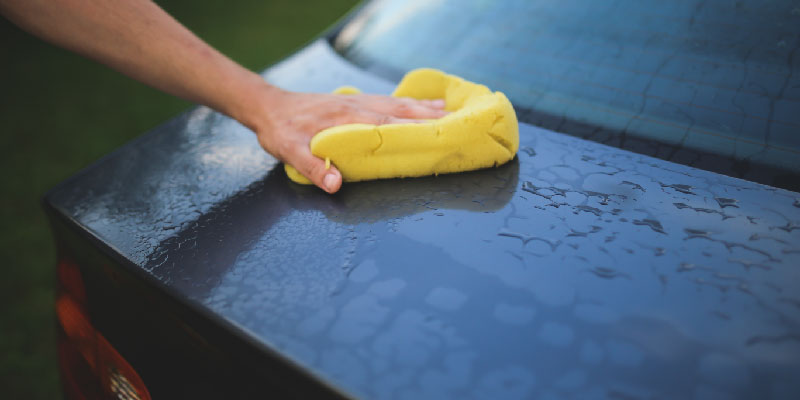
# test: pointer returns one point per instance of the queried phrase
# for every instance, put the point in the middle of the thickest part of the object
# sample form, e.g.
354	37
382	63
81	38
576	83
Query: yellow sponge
481	131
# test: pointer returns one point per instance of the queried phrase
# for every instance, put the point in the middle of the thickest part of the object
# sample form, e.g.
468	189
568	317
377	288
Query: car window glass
701	82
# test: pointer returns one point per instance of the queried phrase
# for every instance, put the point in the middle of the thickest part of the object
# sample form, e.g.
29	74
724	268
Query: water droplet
529	151
634	185
686	189
593	210
696	233
608	273
653	224
725	202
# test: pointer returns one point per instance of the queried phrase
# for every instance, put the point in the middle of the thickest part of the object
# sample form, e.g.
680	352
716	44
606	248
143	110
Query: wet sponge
481	131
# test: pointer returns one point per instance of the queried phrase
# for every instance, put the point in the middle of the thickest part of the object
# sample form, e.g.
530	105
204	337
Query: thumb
313	168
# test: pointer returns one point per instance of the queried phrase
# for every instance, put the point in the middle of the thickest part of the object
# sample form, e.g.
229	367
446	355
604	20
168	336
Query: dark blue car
643	244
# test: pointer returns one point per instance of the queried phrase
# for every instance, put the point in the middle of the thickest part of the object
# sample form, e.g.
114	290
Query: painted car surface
576	270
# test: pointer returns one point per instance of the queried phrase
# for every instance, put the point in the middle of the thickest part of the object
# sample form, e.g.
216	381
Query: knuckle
385	119
403	108
315	170
284	150
338	109
342	119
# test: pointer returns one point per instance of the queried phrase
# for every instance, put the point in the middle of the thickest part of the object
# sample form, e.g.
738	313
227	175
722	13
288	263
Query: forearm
138	38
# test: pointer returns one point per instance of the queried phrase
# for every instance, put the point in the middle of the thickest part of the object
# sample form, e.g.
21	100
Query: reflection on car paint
576	270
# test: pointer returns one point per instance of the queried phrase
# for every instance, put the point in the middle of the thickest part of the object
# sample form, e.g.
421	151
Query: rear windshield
709	83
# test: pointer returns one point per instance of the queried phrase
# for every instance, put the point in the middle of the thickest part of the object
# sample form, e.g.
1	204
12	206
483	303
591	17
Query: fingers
288	138
326	177
436	103
407	108
416	109
374	118
379	119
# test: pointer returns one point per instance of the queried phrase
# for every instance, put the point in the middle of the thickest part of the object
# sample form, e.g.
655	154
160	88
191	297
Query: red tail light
90	366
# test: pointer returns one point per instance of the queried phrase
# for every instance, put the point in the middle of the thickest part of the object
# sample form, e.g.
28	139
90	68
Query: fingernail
438	103
329	181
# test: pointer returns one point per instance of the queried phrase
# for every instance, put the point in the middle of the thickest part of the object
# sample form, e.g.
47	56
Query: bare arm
139	39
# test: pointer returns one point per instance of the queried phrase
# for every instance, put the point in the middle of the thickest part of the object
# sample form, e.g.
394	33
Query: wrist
256	103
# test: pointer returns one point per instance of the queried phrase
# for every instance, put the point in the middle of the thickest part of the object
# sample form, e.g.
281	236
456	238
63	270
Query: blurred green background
59	112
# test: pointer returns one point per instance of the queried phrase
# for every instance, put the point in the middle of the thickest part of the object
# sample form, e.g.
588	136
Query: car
644	243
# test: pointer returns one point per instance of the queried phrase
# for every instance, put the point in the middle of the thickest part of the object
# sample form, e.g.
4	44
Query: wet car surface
575	270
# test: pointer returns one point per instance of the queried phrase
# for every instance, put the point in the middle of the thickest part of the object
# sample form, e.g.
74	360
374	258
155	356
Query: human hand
141	40
293	119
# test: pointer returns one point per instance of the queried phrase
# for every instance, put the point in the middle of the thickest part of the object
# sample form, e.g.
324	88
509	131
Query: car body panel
575	269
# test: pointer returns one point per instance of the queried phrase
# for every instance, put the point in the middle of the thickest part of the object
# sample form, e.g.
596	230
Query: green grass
58	113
